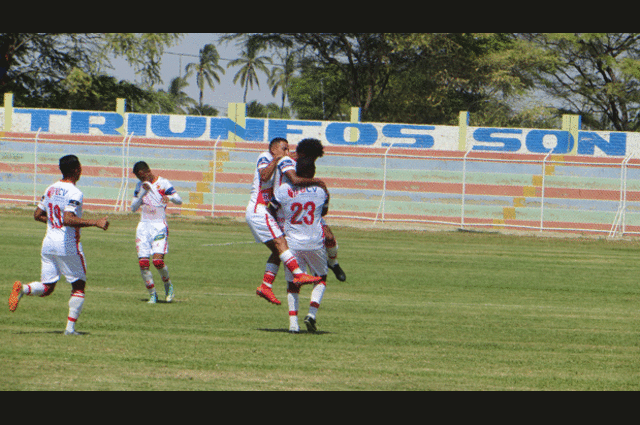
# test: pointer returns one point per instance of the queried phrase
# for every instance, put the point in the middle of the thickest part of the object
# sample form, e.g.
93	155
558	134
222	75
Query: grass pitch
419	311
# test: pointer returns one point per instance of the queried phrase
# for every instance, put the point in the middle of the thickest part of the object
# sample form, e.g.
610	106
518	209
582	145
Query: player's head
306	167
279	146
141	170
311	148
70	166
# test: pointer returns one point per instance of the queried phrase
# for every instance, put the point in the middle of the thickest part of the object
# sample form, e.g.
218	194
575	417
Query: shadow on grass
283	330
48	332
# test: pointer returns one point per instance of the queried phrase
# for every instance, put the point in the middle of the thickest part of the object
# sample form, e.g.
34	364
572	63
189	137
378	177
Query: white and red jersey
152	208
261	192
302	208
60	239
285	164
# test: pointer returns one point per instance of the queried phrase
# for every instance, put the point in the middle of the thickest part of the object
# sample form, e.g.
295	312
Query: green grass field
419	311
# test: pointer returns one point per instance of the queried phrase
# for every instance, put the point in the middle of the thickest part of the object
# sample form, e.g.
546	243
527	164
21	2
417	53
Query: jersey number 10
55	217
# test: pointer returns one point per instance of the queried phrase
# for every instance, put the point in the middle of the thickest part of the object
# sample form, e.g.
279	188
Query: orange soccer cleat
265	292
304	279
16	294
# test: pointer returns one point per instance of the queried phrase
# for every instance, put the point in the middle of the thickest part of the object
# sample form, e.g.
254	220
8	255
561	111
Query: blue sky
224	93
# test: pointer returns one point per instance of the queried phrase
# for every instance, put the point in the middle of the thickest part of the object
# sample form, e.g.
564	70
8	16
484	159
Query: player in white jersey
61	209
285	173
263	225
151	196
303	208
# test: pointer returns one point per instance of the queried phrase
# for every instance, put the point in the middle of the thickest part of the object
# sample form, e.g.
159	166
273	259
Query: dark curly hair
311	148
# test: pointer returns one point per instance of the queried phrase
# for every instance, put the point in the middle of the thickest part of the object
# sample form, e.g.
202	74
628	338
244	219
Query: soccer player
263	225
61	209
285	173
151	196
303	208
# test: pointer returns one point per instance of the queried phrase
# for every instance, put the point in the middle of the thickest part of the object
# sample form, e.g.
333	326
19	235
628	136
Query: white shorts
152	238
315	261
262	224
72	267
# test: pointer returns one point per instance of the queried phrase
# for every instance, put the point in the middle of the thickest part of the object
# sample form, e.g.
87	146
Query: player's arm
71	220
267	172
296	180
138	194
173	196
40	215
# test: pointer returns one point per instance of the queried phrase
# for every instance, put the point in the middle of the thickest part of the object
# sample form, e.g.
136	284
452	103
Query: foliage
206	70
271	110
250	64
503	79
595	75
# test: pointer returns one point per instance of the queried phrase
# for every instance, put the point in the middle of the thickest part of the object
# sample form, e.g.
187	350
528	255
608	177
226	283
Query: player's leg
293	292
256	219
49	276
74	269
331	246
265	290
143	247
289	260
159	264
317	261
76	302
160	247
293	301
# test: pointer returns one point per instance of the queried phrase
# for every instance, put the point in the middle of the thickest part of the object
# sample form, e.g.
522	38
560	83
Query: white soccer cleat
170	293
153	299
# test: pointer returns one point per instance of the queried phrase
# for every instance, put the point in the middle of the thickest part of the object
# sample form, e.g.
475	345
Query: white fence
466	189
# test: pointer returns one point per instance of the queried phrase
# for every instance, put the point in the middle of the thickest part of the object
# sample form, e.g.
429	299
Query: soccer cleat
304	279
311	324
66	332
337	270
14	297
170	293
294	329
266	293
153	299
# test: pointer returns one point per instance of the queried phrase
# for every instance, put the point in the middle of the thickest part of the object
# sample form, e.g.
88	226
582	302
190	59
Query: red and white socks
75	308
293	301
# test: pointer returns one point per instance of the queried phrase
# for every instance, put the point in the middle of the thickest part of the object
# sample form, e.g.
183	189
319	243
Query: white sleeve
136	203
138	194
175	198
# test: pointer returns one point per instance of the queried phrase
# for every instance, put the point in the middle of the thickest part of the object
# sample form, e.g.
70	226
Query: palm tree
206	69
280	77
250	65
179	97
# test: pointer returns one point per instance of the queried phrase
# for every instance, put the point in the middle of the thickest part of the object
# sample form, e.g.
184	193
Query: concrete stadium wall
564	179
551	192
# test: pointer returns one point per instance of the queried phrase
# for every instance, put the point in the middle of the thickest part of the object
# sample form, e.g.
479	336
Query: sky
175	59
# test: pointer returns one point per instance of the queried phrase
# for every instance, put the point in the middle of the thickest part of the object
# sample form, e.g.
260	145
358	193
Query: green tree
280	77
595	75
97	93
206	69
250	63
180	98
41	62
319	93
256	109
